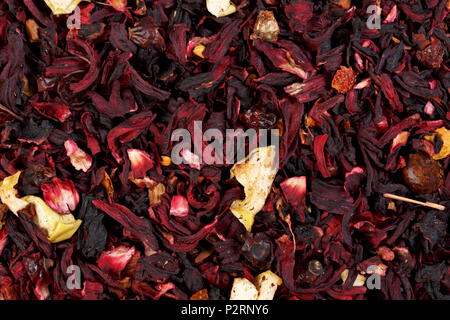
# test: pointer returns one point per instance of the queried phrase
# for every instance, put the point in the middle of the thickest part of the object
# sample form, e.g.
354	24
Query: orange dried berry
200	295
344	79
432	56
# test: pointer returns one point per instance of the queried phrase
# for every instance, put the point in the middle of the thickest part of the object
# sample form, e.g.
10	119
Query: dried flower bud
79	159
423	174
220	8
61	195
266	27
344	79
145	33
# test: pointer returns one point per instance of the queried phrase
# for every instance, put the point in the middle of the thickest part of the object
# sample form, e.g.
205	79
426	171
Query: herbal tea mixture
217	149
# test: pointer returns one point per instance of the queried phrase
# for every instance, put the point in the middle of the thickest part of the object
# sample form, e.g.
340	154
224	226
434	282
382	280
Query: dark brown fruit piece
422	174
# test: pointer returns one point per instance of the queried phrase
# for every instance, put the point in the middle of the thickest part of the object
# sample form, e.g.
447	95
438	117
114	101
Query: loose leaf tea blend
347	200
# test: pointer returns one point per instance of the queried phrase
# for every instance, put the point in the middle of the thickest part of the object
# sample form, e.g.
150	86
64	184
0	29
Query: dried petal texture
294	190
57	227
179	206
8	193
54	110
62	6
256	173
220	8
61	195
115	260
140	161
79	159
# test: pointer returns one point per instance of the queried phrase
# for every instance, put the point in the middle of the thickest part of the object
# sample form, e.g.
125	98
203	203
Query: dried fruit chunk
359	281
267	284
62	6
256	173
220	8
200	295
266	27
243	289
264	287
344	79
423	174
431	56
444	136
8	194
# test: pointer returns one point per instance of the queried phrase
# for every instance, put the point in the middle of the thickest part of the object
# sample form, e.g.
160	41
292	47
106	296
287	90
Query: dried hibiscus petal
79	159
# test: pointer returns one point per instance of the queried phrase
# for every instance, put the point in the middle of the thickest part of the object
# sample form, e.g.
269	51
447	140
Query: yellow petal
56	226
256	173
8	194
62	6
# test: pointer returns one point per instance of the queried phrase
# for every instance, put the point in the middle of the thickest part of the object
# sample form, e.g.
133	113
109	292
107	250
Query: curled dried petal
79	159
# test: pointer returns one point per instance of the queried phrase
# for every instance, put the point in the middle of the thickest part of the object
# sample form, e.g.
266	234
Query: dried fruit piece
198	51
423	174
266	27
32	30
243	289
61	195
200	295
220	8
256	173
344	79
79	159
264	287
145	33
431	56
267	283
154	195
62	6
359	281
444	136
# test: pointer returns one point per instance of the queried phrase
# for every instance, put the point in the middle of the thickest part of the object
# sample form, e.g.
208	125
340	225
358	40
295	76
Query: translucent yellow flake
62	6
256	173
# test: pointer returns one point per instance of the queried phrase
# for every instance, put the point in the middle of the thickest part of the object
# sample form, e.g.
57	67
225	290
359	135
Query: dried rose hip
344	79
422	174
258	250
145	33
431	56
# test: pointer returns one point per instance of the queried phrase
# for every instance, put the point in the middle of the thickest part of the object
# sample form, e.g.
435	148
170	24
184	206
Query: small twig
427	204
5	109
